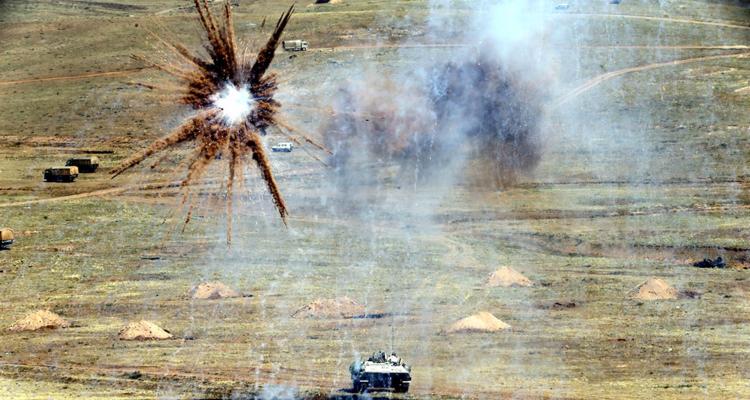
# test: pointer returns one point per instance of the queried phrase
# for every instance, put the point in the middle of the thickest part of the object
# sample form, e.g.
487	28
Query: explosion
232	95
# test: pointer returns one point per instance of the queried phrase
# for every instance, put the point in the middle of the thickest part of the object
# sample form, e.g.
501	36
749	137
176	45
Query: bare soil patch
508	277
482	321
342	307
143	330
212	291
111	5
41	319
654	289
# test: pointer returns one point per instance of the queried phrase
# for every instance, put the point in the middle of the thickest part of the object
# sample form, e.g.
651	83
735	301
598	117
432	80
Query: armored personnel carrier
380	373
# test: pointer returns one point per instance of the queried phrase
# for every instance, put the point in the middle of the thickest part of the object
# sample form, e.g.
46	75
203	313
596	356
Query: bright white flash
235	103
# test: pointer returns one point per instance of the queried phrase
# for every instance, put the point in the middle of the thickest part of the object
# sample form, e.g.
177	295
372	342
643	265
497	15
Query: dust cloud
476	117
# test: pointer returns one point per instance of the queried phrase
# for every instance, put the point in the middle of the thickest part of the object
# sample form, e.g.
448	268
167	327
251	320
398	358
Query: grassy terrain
641	176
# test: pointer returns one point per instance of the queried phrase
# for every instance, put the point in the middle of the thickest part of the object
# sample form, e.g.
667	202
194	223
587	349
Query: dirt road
126	72
94	193
73	77
722	24
614	74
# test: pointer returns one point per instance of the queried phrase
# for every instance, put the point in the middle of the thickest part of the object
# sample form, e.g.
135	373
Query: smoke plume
479	113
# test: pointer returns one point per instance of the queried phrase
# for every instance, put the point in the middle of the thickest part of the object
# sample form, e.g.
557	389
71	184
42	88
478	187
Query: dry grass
577	228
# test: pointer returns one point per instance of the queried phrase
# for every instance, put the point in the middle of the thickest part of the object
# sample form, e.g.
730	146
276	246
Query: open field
644	171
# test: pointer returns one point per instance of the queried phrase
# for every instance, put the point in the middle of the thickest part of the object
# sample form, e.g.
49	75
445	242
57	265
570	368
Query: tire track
691	21
126	72
614	74
73	77
95	193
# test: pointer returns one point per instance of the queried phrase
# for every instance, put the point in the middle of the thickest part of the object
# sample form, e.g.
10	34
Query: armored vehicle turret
380	372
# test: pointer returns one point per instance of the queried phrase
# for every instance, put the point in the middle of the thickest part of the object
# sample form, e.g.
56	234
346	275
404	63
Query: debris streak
233	96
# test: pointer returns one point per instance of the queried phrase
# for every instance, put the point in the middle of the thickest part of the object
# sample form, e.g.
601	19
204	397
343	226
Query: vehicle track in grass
691	21
94	193
122	72
590	84
229	382
126	72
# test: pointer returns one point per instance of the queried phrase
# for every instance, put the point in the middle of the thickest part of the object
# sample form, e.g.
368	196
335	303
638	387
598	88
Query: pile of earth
479	322
507	277
212	290
37	320
342	307
143	330
654	289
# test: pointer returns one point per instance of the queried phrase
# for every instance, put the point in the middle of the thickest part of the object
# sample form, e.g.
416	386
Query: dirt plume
507	277
212	291
143	330
341	307
232	94
654	289
37	320
482	321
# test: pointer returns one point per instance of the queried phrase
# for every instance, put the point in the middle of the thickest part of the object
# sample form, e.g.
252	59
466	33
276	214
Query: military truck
61	174
294	45
6	238
84	164
380	373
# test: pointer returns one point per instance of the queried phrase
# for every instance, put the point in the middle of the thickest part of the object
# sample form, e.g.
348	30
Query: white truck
285	147
294	45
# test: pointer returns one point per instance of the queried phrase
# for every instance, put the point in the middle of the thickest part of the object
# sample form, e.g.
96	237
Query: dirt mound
342	307
508	277
479	322
143	330
654	289
37	320
212	290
